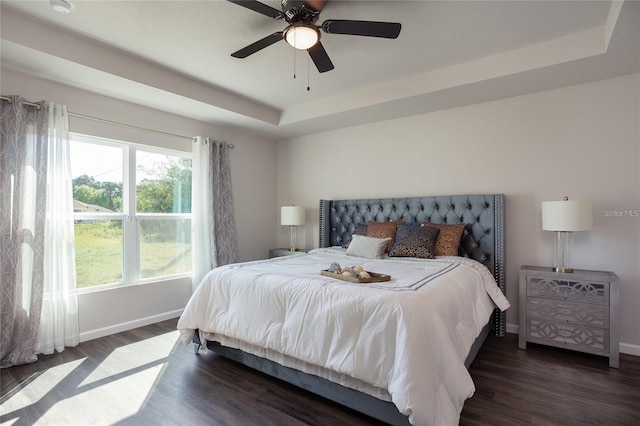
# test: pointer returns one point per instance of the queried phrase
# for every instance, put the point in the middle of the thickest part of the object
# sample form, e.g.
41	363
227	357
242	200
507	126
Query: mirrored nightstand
577	311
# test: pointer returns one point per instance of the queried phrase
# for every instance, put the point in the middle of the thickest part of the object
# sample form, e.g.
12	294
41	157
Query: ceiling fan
303	33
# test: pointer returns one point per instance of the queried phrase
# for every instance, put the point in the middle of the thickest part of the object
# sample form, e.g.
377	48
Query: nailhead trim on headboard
483	215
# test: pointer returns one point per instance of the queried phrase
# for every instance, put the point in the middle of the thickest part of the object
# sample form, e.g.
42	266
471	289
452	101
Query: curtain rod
115	123
8	99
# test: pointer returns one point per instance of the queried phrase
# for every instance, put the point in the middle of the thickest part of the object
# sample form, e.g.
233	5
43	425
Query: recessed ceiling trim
612	19
553	52
22	31
44	44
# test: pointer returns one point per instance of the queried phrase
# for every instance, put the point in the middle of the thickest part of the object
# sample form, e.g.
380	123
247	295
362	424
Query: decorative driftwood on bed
483	240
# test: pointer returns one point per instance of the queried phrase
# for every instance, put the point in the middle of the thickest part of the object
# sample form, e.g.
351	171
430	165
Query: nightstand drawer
585	291
568	312
571	336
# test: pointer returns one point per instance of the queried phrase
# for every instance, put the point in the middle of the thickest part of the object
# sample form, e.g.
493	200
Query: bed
397	351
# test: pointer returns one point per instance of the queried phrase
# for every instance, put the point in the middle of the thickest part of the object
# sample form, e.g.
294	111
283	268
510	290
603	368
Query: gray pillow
369	247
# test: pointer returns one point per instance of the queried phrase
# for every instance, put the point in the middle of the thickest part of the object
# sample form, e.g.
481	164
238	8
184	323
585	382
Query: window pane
165	247
98	252
97	177
163	183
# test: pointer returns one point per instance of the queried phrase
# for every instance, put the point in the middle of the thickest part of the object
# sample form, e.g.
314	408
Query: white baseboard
628	348
512	328
625	348
129	325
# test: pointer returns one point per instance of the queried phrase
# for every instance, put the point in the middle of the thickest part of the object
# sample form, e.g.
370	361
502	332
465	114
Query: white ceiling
175	56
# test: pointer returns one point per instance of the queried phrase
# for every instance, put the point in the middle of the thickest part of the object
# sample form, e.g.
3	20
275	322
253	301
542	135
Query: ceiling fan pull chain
294	63
308	88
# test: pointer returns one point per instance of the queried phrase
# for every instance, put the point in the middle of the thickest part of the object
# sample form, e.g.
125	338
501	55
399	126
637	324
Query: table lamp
292	216
565	217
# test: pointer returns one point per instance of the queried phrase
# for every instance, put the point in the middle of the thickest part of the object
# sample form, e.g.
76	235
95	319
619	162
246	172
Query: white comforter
411	339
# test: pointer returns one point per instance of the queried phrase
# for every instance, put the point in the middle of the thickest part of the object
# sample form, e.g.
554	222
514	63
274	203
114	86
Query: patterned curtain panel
224	239
38	302
23	180
214	241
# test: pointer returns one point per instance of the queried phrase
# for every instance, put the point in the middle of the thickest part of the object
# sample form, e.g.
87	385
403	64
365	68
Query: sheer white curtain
59	317
213	241
200	230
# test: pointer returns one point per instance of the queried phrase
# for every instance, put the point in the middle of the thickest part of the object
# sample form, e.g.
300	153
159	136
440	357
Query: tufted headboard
482	240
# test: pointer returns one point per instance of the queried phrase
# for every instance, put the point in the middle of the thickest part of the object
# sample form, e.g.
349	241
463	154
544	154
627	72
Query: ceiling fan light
302	36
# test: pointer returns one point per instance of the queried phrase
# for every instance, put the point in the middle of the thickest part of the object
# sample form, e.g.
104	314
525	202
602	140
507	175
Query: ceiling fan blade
320	57
258	45
256	6
362	28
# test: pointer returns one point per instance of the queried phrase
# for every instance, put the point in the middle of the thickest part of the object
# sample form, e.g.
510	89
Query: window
132	208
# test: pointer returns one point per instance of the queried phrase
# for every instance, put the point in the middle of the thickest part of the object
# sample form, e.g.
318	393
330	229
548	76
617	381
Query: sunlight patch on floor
126	396
125	378
39	387
126	358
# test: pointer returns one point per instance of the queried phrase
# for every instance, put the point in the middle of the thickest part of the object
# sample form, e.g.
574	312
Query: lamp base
561	253
292	238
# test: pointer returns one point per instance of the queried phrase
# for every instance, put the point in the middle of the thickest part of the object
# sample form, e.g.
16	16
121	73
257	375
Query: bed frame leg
196	348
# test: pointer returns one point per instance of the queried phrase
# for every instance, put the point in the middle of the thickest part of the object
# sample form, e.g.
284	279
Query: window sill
159	280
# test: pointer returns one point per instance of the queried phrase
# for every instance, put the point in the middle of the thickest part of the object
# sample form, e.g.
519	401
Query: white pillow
372	248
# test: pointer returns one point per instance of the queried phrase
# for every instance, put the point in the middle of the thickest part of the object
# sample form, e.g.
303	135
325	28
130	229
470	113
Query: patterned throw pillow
415	241
448	239
383	230
361	229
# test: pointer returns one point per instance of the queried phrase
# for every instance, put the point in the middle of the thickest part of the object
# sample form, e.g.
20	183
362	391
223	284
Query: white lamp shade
568	215
292	215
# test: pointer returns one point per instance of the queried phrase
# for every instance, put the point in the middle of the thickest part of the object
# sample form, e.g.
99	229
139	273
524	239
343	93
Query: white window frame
130	218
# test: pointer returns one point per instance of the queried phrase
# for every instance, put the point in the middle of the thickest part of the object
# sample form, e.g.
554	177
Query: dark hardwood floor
146	377
549	386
